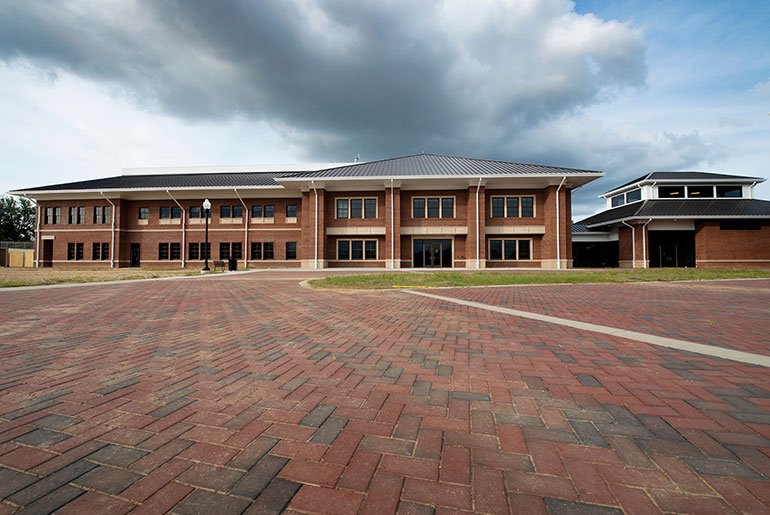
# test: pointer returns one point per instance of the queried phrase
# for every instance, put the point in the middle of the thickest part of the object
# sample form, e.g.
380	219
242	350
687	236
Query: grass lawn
489	278
37	276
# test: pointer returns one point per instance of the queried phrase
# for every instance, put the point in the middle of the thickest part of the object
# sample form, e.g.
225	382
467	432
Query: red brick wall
715	248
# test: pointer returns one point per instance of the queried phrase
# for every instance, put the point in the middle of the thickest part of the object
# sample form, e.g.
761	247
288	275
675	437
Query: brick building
678	219
423	210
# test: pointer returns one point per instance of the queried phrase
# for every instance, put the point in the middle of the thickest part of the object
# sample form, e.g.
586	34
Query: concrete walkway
251	394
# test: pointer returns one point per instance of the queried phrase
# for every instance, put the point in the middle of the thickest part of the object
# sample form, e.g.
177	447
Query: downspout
477	225
245	230
183	224
644	243
558	236
315	252
633	244
37	236
392	229
112	245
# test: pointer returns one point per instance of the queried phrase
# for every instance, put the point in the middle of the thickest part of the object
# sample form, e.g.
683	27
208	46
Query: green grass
490	278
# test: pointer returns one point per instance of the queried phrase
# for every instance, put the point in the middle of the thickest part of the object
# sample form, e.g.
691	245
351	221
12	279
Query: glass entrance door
432	255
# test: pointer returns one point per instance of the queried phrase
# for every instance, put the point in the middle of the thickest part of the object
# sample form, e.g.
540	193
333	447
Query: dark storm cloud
338	77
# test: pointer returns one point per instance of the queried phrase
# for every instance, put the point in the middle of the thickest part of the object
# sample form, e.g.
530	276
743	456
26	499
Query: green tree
17	219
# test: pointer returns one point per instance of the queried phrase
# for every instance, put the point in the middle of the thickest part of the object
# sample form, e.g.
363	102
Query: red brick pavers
249	394
730	314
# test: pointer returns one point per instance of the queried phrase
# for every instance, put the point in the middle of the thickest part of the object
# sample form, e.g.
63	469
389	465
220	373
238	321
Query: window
102	215
77	215
618	200
434	208
291	250
165	212
195	212
236	250
237	211
56	215
224	250
356	250
81	215
263	211
437	207
176	212
193	251
510	250
356	208
175	250
262	250
448	207
291	211
513	207
633	196
144	213
73	215
100	251
700	191
722	192
162	251
670	191
418	208
48	215
224	212
74	251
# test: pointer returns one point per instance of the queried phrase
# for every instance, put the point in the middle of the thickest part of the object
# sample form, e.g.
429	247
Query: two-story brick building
423	210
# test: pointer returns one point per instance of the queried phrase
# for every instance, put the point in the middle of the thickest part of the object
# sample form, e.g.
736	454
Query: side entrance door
135	254
47	253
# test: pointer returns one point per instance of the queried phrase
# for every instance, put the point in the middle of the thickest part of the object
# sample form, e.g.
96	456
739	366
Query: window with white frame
512	207
510	249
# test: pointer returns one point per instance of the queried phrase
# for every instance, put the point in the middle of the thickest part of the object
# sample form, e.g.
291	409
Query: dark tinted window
433	208
512	207
291	250
195	212
524	249
370	208
268	250
527	206
509	248
355	208
418	208
700	191
176	212
498	205
618	200
291	211
633	196
224	212
729	191
357	249
670	191
343	249
495	249
237	211
269	211
342	208
371	249
447	207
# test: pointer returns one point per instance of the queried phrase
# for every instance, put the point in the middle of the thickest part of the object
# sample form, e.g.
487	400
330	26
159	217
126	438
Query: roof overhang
643	219
719	180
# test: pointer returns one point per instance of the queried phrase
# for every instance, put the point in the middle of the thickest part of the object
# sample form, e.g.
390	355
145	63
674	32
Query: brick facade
394	236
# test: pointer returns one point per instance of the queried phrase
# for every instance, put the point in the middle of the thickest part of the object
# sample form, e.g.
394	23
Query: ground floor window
262	250
175	250
291	250
162	251
510	250
74	251
236	250
356	250
100	251
432	253
224	250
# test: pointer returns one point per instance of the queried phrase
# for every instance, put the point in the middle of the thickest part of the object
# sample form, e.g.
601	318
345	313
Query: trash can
232	264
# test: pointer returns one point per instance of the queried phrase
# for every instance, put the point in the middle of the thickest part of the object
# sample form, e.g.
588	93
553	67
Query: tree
17	219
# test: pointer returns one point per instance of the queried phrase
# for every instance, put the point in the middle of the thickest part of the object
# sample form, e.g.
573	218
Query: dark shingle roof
438	166
687	176
187	180
718	208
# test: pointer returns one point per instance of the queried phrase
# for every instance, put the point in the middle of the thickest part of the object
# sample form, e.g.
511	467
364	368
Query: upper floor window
266	211
196	212
670	191
77	215
356	208
700	191
291	211
144	213
513	207
729	191
52	215
626	198
231	211
433	207
102	215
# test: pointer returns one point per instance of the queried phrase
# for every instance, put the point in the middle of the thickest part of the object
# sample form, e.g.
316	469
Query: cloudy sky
626	87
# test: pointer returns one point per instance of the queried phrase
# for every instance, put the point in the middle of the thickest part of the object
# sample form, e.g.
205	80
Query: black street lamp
206	211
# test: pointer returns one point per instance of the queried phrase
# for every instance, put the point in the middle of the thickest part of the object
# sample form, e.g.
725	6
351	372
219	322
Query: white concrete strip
661	341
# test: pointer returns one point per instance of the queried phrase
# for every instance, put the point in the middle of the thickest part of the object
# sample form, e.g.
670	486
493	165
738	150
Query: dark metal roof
579	227
717	208
687	176
187	180
439	166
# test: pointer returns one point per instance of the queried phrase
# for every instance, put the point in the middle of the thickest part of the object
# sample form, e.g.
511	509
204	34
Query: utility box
232	264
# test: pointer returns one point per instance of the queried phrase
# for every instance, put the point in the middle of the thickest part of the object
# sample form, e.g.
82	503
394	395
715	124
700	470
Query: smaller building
678	219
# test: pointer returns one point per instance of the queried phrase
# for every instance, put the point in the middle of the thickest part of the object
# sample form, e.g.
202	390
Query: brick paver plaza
248	393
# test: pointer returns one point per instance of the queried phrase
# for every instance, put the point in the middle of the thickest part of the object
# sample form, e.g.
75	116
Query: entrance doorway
672	249
47	253
135	254
432	254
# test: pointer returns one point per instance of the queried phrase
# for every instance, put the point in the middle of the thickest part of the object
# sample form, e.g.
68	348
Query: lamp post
206	211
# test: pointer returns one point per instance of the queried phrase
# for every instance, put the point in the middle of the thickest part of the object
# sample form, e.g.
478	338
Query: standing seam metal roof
717	208
686	176
425	165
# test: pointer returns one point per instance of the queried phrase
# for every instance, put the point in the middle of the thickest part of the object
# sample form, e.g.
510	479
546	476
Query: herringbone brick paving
249	394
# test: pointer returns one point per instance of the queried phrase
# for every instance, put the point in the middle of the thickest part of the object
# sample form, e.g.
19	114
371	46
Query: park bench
220	264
